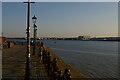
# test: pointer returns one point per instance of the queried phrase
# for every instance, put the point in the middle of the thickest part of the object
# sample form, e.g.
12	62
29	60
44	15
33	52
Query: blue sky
61	0
0	17
62	19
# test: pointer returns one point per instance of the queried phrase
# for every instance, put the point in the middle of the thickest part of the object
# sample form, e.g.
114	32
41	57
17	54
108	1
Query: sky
0	17
61	19
61	0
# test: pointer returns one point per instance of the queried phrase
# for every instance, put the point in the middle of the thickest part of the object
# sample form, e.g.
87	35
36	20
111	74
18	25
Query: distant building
84	37
98	39
106	39
113	38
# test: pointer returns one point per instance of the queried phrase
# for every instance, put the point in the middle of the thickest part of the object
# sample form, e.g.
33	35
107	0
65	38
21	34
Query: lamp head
34	19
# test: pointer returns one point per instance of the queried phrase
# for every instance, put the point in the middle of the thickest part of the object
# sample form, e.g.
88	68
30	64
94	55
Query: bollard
49	64
55	75
54	69
43	55
67	75
45	58
60	75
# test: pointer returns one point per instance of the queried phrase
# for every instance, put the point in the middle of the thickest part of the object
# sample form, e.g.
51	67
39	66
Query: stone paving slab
14	63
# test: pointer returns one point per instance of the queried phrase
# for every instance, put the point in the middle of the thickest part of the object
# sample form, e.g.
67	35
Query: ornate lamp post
35	33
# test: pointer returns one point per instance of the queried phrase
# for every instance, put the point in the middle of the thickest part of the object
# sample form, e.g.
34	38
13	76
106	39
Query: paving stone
14	64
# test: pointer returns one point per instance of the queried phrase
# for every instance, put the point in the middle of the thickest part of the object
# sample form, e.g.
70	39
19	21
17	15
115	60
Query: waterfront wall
75	74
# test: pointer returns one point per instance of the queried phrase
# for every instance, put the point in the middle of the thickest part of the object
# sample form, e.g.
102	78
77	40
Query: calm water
96	59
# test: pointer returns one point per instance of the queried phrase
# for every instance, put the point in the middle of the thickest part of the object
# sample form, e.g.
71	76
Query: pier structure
14	65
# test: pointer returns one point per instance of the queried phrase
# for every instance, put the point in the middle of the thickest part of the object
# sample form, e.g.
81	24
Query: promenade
14	63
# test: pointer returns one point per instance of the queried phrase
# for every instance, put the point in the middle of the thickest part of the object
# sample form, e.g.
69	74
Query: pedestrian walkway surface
14	63
38	70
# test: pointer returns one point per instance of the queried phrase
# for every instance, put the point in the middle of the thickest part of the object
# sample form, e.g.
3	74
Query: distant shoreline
61	39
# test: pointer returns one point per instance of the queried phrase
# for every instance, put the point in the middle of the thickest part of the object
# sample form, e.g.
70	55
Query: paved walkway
14	62
38	70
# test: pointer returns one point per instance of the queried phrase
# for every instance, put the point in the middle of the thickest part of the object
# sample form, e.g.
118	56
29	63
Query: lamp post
35	31
27	69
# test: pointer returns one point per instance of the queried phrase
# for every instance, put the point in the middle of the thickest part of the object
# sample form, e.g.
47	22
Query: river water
96	59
